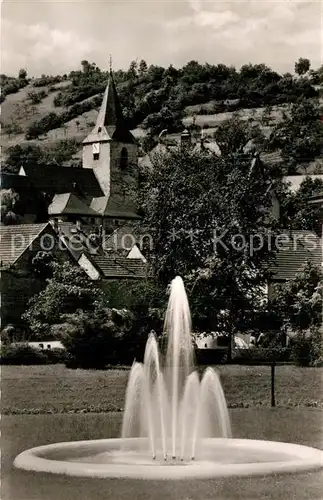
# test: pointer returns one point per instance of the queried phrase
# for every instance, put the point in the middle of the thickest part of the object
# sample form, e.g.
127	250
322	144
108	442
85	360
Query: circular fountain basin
128	458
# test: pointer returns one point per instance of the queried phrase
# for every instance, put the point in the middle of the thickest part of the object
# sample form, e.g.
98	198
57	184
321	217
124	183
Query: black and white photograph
161	249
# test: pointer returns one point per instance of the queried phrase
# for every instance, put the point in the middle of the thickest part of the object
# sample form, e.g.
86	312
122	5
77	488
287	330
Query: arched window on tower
124	158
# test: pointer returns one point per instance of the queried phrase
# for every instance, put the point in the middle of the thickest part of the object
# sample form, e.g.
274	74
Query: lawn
55	389
76	400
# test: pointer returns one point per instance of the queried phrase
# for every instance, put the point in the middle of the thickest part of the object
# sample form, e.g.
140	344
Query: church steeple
110	124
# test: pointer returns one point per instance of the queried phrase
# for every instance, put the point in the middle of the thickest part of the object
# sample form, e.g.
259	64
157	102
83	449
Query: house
294	249
19	245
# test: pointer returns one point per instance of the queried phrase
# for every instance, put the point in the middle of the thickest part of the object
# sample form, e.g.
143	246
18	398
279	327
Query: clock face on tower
96	148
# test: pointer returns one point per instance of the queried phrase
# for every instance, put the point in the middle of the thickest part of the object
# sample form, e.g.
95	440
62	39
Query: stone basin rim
304	459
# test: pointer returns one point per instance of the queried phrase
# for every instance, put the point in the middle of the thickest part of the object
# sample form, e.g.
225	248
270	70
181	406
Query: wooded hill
57	112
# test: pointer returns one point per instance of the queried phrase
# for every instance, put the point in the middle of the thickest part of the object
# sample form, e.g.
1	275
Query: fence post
273	400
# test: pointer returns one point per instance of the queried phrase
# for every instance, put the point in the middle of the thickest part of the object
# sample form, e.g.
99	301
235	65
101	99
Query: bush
46	80
22	354
36	97
92	339
45	124
308	351
259	355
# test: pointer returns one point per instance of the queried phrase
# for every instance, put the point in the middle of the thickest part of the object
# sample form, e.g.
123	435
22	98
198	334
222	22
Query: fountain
175	426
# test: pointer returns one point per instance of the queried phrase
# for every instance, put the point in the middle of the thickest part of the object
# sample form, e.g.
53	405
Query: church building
92	204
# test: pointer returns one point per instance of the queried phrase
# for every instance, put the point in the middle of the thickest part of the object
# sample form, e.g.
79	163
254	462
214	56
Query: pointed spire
110	123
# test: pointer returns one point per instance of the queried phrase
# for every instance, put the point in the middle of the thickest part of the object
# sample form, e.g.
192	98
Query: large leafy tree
207	215
68	290
299	301
8	204
302	66
296	211
234	134
299	135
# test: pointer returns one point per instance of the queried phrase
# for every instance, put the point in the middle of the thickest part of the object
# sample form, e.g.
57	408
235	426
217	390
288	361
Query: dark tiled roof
14	240
119	267
69	204
14	181
54	179
297	248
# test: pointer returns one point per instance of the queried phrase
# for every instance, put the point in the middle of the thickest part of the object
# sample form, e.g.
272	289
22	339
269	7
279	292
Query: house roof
119	267
272	158
15	240
14	181
110	123
296	248
122	239
104	207
76	240
58	180
69	204
295	181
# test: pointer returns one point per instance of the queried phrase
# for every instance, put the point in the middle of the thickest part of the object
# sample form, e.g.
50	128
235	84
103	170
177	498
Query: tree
91	338
142	67
298	303
205	215
23	155
22	75
296	211
234	134
68	290
299	135
299	300
8	203
302	66
42	265
85	66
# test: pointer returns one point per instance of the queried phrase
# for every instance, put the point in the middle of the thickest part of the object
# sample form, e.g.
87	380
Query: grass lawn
20	432
70	405
55	389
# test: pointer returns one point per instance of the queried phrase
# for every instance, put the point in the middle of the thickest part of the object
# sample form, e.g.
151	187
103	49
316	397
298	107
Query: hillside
44	113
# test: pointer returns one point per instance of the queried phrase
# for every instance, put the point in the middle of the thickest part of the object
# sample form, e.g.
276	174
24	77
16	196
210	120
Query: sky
53	37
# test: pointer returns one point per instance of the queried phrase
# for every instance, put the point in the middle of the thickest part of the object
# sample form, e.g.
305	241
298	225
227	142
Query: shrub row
15	354
47	80
258	355
53	120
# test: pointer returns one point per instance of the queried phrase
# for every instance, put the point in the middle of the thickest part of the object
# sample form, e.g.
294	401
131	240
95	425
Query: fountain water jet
175	385
168	411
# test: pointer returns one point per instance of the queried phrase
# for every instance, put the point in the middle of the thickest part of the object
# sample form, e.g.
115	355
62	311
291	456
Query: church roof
69	204
57	180
104	207
110	123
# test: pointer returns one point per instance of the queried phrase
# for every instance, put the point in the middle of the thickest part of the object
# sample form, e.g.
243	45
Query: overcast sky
46	36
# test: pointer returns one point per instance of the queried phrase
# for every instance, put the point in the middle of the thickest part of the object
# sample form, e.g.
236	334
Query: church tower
111	151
